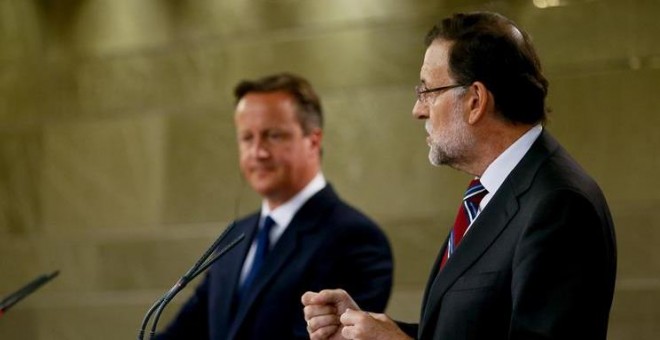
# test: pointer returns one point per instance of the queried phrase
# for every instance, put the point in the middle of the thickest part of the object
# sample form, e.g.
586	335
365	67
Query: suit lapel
485	230
307	218
490	223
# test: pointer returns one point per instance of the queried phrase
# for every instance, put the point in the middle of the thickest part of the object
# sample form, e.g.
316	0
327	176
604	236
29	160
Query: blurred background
118	158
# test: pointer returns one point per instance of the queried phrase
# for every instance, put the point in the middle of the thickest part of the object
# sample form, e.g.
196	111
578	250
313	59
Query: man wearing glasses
532	252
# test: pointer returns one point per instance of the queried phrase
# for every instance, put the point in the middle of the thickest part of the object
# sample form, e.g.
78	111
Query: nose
259	149
420	110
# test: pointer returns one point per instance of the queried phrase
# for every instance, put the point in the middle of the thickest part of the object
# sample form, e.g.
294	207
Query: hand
359	325
322	312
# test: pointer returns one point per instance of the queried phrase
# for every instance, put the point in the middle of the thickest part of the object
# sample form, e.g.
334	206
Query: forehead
276	106
435	68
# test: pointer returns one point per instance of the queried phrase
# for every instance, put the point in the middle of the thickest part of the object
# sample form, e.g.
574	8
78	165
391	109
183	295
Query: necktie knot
263	238
267	227
475	192
473	196
262	249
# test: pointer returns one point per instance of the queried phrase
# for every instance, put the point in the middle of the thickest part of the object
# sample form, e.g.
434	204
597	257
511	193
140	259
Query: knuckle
345	332
312	324
308	311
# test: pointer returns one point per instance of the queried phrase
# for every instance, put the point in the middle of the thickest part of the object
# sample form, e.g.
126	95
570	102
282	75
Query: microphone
26	290
202	264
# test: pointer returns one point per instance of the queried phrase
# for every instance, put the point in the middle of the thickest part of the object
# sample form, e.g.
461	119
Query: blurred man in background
303	238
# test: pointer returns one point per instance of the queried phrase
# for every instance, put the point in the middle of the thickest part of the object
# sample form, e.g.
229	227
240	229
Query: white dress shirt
502	166
282	216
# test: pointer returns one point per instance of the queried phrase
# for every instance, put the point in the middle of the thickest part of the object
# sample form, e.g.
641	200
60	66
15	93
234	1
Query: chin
440	160
435	157
261	187
266	188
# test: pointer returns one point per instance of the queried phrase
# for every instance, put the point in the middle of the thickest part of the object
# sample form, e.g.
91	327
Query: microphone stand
202	264
26	290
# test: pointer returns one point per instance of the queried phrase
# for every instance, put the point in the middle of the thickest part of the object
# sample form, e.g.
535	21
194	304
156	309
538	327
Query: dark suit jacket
538	263
327	245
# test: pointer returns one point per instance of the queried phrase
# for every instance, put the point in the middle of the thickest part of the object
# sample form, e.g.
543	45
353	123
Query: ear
479	101
315	138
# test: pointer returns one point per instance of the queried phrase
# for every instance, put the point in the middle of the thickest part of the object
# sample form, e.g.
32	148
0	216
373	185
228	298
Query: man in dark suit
532	252
304	237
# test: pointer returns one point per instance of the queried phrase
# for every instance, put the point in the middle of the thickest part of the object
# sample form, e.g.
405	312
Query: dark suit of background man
539	260
317	241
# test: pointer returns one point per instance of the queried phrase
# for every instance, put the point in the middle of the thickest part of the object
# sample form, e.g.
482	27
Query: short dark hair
309	113
490	48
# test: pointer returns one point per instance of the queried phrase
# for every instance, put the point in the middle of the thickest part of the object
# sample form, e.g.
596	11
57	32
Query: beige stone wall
118	162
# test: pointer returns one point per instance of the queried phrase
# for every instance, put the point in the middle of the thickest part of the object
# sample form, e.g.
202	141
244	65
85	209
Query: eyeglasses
421	92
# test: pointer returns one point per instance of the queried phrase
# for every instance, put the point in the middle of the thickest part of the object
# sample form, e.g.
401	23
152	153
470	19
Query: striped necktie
467	213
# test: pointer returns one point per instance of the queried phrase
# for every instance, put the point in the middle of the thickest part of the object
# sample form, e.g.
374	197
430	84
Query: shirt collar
283	214
502	166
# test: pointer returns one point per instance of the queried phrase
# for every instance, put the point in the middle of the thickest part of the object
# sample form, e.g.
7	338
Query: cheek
243	167
435	124
245	163
439	118
286	158
290	160
242	157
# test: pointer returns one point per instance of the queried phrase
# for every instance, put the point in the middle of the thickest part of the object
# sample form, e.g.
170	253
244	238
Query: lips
261	170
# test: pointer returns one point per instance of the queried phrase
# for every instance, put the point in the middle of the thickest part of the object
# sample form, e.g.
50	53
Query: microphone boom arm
185	280
193	272
26	290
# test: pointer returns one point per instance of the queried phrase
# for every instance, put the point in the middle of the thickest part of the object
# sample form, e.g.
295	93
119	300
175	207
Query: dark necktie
263	246
467	213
